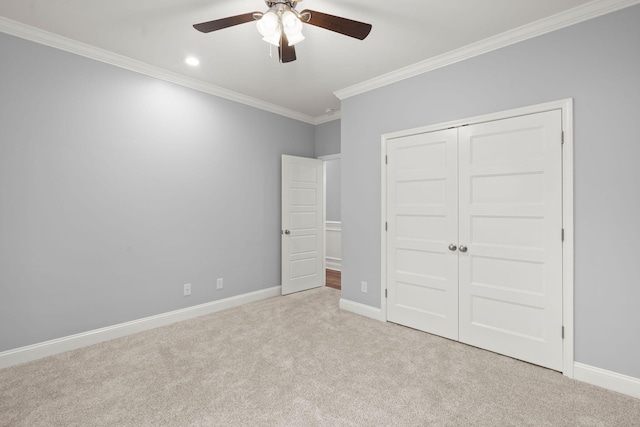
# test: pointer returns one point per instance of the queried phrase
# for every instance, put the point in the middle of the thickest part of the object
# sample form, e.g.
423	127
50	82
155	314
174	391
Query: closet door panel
510	283
422	220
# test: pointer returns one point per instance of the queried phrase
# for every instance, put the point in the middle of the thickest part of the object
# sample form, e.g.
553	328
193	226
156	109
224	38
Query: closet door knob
453	247
463	248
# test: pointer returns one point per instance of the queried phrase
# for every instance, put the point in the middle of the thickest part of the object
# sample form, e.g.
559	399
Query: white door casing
510	225
422	218
302	224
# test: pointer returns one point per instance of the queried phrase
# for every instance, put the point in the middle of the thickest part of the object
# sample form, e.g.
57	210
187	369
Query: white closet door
511	222
422	220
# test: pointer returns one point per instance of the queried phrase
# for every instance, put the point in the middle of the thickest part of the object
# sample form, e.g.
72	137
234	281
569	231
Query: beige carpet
297	361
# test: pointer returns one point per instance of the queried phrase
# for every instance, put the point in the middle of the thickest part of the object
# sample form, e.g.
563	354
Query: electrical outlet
187	289
363	287
219	283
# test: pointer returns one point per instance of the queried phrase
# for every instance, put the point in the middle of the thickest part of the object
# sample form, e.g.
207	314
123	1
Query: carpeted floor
297	361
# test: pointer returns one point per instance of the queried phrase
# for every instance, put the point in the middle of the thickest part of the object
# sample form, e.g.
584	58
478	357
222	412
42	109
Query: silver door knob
452	247
287	232
463	248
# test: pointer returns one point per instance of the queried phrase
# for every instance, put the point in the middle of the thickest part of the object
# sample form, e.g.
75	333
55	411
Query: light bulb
292	27
290	21
268	24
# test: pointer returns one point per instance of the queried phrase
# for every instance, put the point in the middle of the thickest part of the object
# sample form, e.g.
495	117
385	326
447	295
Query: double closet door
474	239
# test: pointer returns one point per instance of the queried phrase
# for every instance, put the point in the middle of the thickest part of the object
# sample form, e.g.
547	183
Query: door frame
566	108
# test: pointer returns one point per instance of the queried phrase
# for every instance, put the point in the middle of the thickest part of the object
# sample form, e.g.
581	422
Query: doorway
333	223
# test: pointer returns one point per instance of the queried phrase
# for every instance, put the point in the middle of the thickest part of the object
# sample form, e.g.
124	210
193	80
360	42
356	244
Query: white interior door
302	224
422	221
511	227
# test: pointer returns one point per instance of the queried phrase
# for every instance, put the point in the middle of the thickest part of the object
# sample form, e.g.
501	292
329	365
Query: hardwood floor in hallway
334	279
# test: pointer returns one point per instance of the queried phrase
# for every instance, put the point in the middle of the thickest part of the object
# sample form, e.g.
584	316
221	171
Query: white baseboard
72	342
361	309
607	379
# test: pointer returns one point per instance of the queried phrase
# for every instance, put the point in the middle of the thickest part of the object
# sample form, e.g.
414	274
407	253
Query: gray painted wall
333	177
327	138
117	188
595	62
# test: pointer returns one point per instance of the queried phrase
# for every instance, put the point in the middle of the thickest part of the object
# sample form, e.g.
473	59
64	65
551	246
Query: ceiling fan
281	25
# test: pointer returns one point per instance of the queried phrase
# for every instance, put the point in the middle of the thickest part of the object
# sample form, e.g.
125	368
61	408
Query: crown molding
558	21
336	115
46	38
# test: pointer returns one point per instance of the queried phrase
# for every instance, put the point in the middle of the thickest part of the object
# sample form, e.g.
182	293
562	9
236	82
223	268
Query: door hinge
386	226
562	137
563	332
386	159
562	234
385	293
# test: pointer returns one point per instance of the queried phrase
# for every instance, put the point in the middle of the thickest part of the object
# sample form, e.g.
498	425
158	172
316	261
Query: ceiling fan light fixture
292	27
290	22
273	39
281	25
296	38
269	24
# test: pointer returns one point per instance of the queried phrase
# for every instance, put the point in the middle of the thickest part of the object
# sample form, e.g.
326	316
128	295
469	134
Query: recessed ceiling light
194	62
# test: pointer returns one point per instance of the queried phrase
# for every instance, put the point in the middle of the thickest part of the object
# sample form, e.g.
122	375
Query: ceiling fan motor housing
281	6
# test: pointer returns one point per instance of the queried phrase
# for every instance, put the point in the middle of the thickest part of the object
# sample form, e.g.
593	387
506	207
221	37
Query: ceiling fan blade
219	24
285	52
348	27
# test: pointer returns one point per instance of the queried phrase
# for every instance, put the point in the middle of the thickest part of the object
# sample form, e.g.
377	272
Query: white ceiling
159	33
